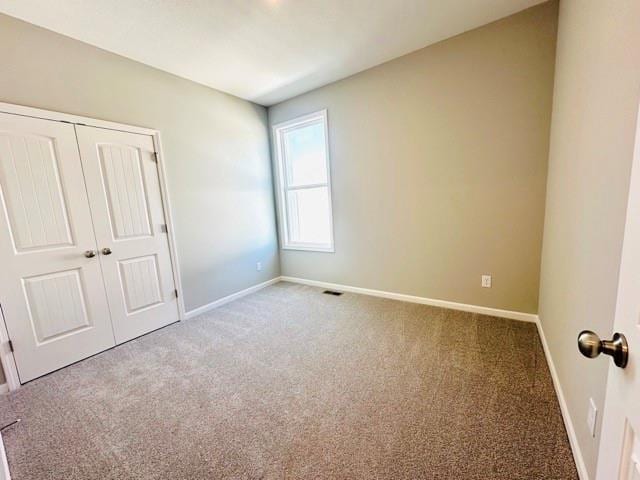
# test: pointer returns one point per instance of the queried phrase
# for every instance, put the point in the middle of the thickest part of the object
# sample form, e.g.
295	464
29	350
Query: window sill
309	248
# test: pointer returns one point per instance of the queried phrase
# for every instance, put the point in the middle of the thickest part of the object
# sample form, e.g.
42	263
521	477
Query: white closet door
52	295
124	193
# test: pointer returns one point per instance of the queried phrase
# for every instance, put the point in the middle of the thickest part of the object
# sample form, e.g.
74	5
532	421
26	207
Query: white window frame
281	181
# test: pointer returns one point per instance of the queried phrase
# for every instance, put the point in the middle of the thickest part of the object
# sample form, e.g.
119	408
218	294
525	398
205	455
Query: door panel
619	453
56	304
140	282
124	193
52	296
126	197
33	195
630	459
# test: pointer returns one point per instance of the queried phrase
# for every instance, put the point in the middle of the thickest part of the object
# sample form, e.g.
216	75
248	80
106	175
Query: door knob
591	346
106	251
90	253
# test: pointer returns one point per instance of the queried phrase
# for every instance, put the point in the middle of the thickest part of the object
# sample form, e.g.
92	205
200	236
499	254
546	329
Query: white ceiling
262	50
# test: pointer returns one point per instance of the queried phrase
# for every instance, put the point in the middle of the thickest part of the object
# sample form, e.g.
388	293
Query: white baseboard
566	416
4	388
229	298
465	307
4	464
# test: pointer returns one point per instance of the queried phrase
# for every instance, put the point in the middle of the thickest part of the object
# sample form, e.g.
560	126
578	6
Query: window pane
308	211
305	155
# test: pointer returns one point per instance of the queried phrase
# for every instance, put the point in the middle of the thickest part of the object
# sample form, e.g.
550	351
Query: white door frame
6	357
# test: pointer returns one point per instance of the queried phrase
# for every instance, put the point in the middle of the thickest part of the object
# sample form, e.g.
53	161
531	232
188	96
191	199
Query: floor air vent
332	292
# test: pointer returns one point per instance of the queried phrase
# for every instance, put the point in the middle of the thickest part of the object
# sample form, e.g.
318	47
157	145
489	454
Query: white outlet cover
486	281
592	416
259	266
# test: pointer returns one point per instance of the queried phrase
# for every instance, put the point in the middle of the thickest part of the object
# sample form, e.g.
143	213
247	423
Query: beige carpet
291	383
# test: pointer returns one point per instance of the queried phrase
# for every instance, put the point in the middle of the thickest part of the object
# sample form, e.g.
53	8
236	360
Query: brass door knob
591	346
106	251
90	253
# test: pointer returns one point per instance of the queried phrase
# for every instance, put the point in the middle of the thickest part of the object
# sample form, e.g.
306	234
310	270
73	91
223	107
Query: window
304	184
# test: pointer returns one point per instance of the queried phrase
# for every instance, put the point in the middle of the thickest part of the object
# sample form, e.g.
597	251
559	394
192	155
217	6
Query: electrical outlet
592	416
486	281
259	266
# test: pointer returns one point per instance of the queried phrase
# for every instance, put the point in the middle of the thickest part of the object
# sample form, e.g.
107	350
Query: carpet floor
290	383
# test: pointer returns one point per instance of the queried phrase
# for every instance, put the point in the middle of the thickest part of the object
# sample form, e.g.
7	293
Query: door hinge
155	157
176	292
163	228
10	345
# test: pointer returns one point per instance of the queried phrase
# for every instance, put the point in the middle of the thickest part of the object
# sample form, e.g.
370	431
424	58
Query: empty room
320	239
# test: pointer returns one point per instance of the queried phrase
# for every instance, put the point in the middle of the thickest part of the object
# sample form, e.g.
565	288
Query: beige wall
597	88
216	148
439	165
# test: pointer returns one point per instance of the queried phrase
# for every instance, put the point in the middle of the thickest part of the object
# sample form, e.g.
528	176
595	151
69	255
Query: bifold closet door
51	288
121	175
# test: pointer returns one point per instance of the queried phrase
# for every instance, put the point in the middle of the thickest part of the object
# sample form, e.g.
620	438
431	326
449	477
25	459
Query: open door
619	455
